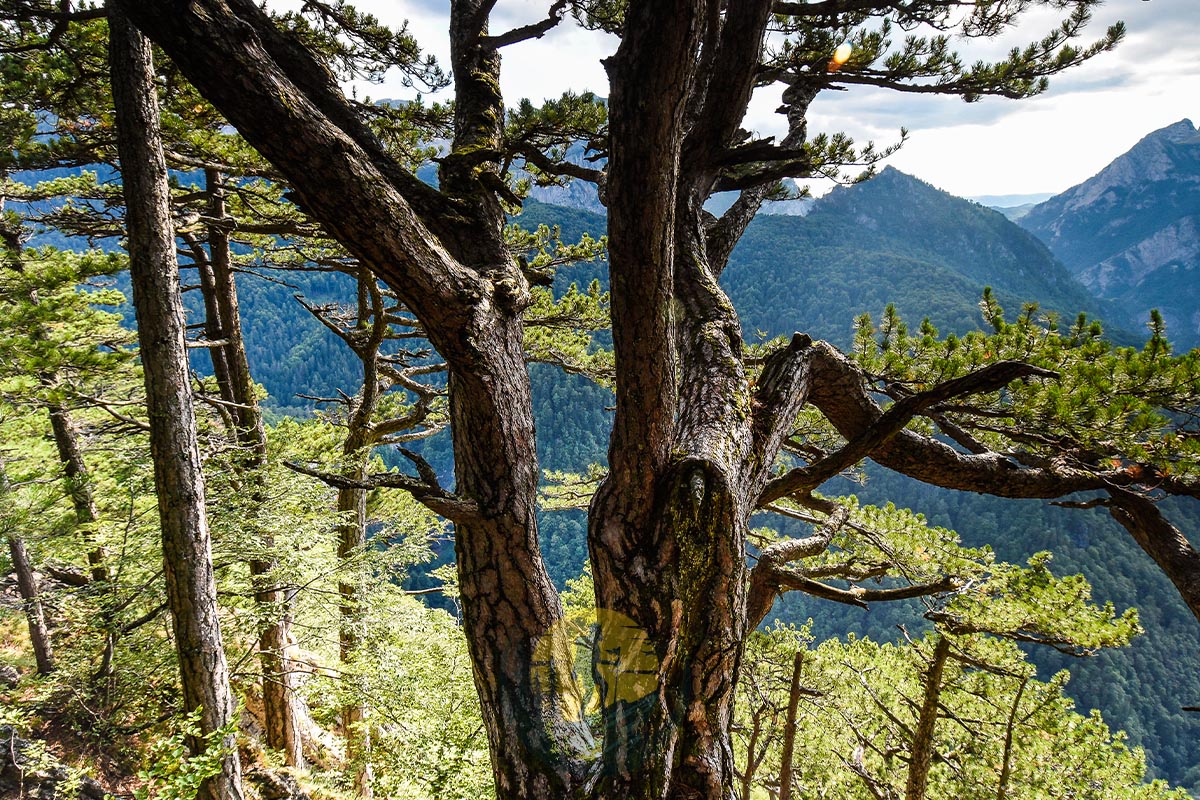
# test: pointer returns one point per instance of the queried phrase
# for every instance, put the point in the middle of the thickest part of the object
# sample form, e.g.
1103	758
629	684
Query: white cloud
1088	117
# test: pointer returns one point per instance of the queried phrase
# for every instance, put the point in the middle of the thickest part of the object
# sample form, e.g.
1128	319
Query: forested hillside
892	240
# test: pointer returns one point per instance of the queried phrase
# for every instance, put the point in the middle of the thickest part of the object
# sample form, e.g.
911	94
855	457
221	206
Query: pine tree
698	423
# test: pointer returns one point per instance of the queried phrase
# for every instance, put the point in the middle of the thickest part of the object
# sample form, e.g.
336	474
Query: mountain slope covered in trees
893	239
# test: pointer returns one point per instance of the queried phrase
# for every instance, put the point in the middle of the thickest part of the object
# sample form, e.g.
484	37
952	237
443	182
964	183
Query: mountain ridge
1131	233
894	239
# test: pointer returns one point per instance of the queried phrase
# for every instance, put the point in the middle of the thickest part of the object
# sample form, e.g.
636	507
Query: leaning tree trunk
511	613
79	488
39	634
179	482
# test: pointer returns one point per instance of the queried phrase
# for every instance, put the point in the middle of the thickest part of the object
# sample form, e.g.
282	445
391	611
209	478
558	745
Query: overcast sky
1043	145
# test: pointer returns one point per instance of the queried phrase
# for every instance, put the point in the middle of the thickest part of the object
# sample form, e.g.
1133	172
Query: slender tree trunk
751	757
282	705
79	485
79	488
789	731
187	557
352	543
1009	729
39	634
922	747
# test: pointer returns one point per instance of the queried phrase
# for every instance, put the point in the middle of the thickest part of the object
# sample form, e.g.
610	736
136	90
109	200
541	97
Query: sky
1042	145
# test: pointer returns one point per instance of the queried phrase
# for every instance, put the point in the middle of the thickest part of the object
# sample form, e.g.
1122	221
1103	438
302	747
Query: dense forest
320	481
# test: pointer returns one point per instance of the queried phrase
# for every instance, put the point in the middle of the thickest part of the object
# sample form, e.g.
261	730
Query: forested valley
287	533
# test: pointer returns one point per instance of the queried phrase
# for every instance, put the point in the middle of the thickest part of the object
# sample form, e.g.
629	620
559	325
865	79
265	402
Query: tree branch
781	392
838	391
433	496
1161	540
892	421
534	30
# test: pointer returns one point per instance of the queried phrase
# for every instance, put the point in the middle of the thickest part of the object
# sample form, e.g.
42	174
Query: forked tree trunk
668	530
179	482
283	707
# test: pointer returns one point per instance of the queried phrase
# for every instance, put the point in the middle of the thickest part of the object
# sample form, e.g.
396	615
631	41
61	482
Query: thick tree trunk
921	755
668	528
511	614
187	557
39	634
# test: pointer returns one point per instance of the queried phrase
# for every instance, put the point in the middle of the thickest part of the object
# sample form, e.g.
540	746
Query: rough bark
921	753
179	482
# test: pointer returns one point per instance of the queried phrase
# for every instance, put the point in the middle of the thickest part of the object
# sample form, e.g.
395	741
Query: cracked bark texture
179	482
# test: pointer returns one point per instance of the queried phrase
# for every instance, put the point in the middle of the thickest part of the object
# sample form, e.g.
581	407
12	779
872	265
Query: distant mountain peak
1131	232
1177	131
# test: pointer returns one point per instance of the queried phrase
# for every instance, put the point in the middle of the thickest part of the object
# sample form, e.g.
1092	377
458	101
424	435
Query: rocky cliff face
1131	233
